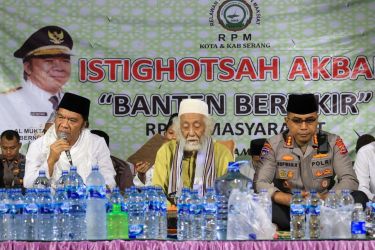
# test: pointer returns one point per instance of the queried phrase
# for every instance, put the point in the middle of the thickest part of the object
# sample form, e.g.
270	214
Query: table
201	245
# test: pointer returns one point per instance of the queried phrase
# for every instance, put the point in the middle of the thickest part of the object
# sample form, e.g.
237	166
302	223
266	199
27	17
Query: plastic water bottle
61	182
313	216
163	220
77	197
117	223
126	197
61	215
136	214
347	200
31	217
209	212
116	198
332	200
153	214
358	225
96	217
265	201
16	205
223	187
183	203
4	222
195	216
369	219
42	181
45	223
297	216
238	225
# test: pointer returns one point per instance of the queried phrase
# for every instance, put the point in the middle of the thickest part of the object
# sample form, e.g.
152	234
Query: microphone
63	135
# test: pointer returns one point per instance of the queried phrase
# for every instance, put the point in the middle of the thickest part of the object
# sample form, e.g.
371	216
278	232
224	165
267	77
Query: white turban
193	106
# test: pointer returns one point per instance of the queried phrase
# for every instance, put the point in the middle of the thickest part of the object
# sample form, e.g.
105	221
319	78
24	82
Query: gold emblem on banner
234	15
55	37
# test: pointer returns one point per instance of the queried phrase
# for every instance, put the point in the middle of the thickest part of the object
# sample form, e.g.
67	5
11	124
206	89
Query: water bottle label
65	207
3	209
31	208
16	209
163	206
96	192
124	207
135	231
153	206
358	227
314	210
47	209
209	208
297	209
180	208
195	209
76	193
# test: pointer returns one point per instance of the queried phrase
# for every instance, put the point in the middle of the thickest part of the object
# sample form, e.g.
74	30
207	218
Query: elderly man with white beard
194	160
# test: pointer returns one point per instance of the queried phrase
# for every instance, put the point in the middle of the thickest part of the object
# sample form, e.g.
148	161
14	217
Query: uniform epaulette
11	90
288	141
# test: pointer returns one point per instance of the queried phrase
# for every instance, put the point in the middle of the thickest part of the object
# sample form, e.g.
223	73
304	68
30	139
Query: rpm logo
234	15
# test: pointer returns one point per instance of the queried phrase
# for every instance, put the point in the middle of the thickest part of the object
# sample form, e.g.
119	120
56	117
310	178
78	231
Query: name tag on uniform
38	113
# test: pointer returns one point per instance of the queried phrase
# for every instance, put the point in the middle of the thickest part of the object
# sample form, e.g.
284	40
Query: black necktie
55	101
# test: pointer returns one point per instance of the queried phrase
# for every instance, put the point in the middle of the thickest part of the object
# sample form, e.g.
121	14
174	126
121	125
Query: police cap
47	41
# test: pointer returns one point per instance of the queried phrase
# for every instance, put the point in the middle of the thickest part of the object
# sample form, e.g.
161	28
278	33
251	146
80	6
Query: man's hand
142	167
55	151
282	198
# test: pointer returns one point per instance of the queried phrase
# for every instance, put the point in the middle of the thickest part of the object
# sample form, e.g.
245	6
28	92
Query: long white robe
88	150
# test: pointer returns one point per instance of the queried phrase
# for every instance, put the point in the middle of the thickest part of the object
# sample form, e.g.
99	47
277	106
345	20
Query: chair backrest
230	144
124	176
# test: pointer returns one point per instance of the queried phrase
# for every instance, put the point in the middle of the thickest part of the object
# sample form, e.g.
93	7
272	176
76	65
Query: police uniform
12	172
28	107
284	165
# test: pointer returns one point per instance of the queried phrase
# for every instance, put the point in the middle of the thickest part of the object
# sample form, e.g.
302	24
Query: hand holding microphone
64	136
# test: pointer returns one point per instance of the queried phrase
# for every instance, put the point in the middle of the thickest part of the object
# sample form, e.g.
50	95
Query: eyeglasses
299	121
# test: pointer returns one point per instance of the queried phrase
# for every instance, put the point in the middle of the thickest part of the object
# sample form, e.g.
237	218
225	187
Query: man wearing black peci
305	158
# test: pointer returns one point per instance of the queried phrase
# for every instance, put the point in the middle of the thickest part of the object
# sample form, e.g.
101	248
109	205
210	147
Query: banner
136	61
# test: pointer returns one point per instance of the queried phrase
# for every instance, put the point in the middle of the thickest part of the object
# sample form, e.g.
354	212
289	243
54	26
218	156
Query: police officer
304	158
46	69
12	163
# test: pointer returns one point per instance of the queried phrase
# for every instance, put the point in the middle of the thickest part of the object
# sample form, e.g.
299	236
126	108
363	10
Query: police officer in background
46	69
12	163
304	158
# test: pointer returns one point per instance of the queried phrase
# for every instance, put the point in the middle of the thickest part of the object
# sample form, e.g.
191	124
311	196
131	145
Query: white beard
191	146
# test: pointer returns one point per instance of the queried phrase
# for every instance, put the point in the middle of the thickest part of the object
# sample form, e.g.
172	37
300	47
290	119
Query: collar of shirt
29	86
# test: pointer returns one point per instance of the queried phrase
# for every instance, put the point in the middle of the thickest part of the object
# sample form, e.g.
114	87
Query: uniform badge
283	174
288	157
288	142
324	183
327	171
265	150
340	144
315	139
290	174
320	156
318	173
